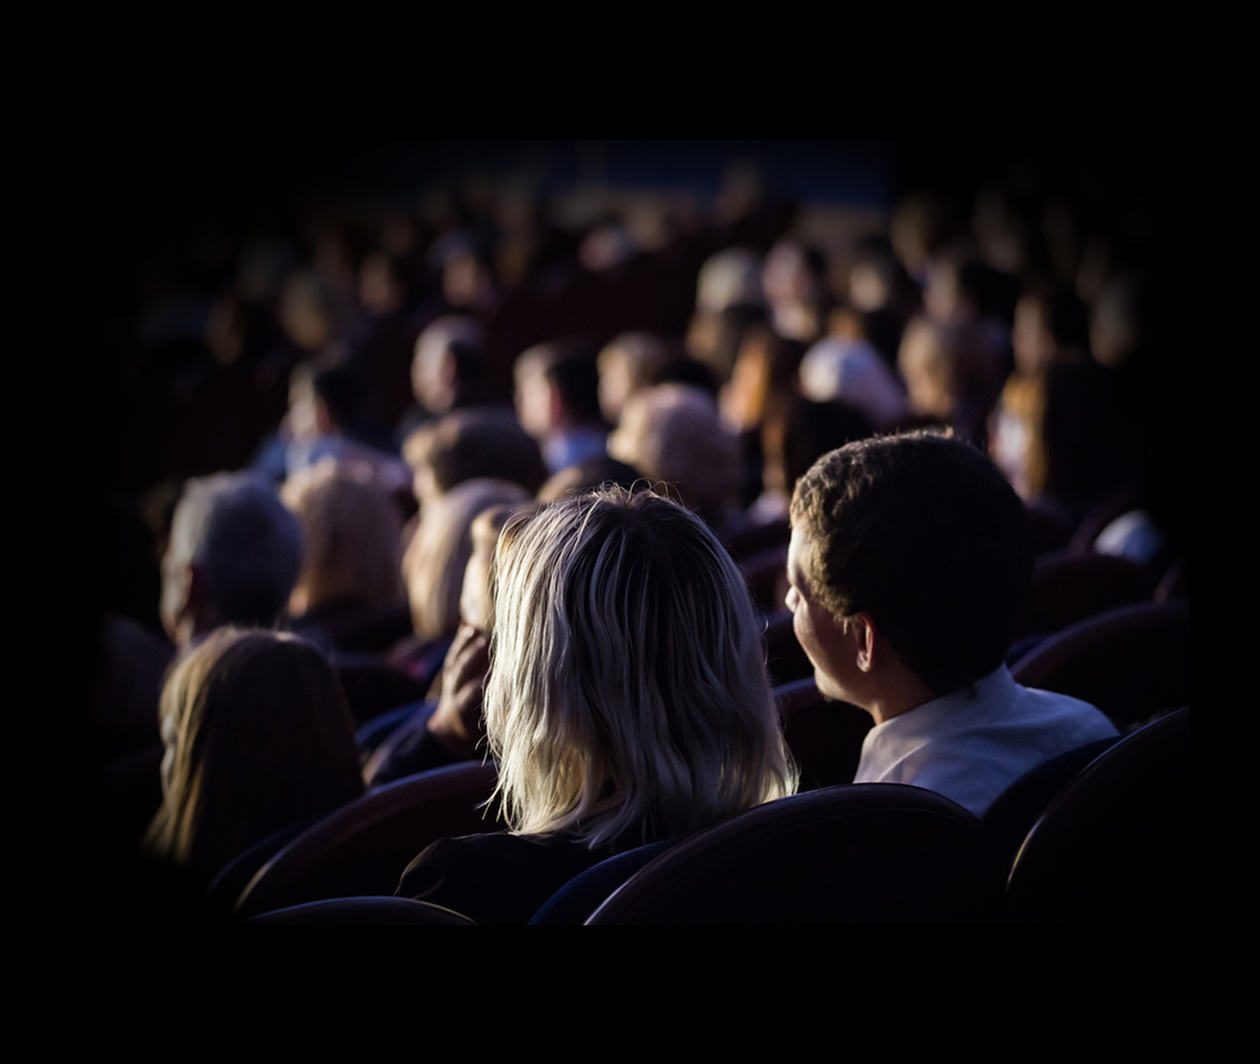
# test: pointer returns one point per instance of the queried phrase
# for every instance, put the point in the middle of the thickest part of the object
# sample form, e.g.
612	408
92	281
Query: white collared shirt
972	744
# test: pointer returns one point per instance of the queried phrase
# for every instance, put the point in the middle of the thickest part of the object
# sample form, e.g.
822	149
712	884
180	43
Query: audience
1012	317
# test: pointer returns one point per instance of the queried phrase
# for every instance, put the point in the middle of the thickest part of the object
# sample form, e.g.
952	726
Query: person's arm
456	724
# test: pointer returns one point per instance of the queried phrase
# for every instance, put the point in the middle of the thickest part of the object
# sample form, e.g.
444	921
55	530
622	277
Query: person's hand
456	723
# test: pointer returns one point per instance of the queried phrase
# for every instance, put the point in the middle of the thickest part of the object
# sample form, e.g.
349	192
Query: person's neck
898	694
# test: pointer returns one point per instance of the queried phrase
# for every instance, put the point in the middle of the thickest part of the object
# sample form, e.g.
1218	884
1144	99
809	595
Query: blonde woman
351	530
626	703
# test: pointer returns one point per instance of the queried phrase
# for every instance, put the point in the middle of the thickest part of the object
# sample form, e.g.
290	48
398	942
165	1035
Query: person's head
953	372
727	278
470	444
435	560
1051	324
232	557
803	433
763	378
1057	434
476	603
626	364
675	434
449	354
351	530
852	370
557	386
586	475
258	736
714	337
324	396
627	697
308	312
920	538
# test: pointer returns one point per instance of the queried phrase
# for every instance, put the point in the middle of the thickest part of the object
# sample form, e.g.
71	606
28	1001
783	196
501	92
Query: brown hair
259	737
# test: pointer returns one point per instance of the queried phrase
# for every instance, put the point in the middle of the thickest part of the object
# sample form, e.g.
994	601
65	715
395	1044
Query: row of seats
1102	836
1132	662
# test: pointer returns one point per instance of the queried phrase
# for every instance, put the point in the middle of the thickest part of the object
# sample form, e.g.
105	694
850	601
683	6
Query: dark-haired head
923	533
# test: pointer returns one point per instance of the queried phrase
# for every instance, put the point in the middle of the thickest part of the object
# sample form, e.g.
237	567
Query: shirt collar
989	690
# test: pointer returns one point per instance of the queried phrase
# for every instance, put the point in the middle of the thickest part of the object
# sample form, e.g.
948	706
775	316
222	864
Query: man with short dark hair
557	401
909	564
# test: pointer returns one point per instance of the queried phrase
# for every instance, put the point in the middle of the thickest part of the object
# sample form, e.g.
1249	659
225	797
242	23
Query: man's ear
867	640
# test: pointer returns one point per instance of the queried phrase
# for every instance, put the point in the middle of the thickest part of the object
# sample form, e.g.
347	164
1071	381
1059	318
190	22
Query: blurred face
1034	347
533	402
474	598
614	386
916	360
1009	445
625	443
822	637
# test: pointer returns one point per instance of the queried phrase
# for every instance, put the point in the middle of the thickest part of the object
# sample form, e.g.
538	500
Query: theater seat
363	847
1114	846
369	911
857	854
581	896
1068	587
1132	662
233	878
825	737
1017	808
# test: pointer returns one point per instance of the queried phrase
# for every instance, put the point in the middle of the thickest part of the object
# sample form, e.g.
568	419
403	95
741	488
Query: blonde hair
261	738
435	560
627	698
352	531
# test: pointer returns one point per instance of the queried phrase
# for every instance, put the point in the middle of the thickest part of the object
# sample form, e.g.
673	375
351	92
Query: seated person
1061	440
324	420
446	732
953	375
909	563
626	364
258	737
675	435
468	444
449	370
232	557
433	570
557	401
627	700
349	593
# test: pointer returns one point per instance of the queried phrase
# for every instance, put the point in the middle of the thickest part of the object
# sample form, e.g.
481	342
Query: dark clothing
496	878
411	748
